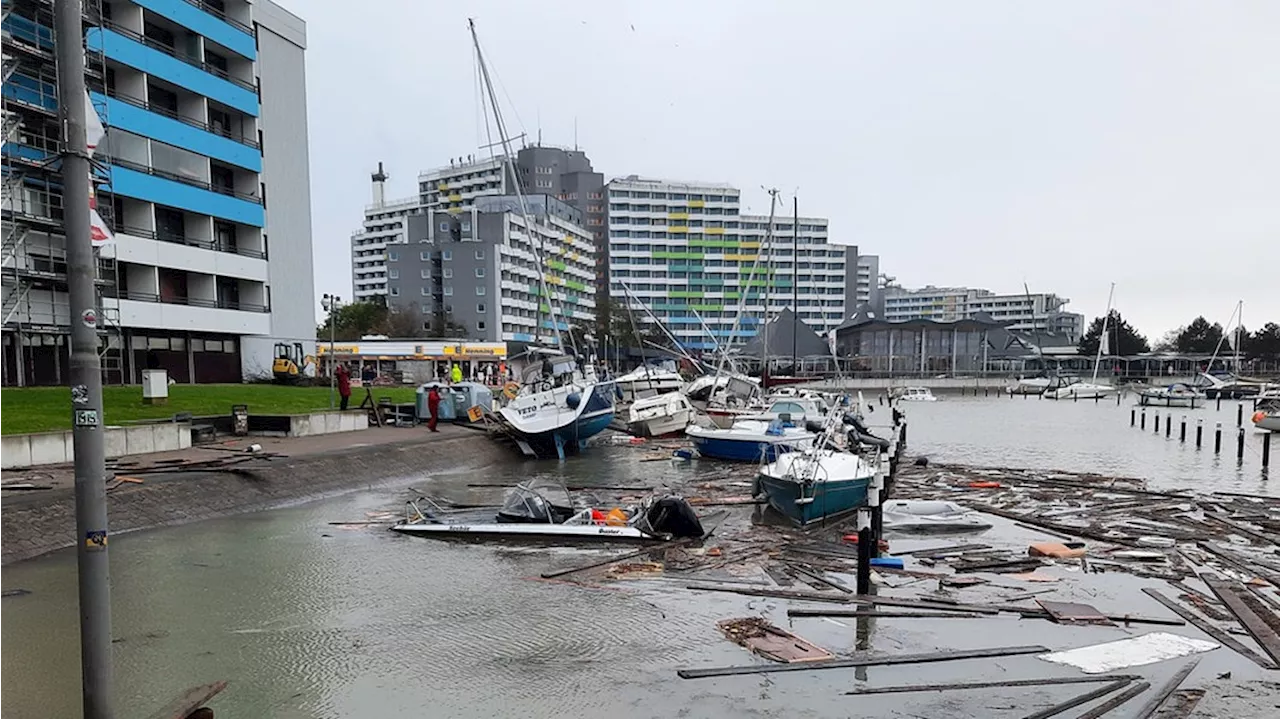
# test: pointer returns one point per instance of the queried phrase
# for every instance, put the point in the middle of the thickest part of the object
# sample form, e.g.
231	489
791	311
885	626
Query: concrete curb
32	529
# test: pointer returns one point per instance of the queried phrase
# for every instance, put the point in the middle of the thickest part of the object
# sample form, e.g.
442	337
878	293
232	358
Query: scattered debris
954	686
1079	699
1135	652
1073	613
1153	704
770	642
947	656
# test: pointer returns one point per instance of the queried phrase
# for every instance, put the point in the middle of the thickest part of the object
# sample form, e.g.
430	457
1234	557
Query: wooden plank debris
1010	683
1250	612
881	614
933	552
1220	636
190	700
1079	699
1116	701
817	576
947	656
770	642
620	558
1153	704
1073	613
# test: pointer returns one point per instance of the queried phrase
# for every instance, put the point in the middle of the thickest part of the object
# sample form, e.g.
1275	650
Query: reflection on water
310	620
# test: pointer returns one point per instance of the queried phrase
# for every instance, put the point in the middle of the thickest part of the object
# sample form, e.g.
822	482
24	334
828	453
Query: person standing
455	375
344	384
433	407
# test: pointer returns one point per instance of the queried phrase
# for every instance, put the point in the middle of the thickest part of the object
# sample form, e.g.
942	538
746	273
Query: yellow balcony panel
455	197
442	186
741	258
750	245
678	229
714	230
697	203
677	215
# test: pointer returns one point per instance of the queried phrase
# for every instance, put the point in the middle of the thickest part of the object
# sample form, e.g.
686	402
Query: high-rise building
475	273
203	179
684	250
1037	312
863	288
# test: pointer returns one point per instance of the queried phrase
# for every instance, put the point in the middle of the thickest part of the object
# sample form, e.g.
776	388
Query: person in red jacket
433	405
344	384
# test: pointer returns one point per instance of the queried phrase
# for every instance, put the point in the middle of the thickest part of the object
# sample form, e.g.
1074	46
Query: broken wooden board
770	642
880	661
1212	630
1134	652
1073	613
1252	614
191	700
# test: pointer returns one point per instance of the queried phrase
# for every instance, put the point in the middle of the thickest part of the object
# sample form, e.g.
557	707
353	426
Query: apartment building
863	288
1037	312
475	273
202	178
685	251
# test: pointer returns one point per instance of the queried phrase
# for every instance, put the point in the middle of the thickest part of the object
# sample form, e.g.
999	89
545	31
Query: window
480	325
423	291
424	274
395	291
393	274
480	308
446	255
444	226
479	256
479	272
479	290
393	256
448	273
466	225
448	291
170	224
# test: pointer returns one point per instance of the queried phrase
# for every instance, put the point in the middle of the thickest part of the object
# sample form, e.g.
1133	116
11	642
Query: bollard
1075	396
1219	407
1266	449
1117	399
1133	416
1097	398
875	499
1143	425
902	438
1199	431
1182	429
1157	429
1239	414
1168	425
1217	438
864	551
986	391
1240	444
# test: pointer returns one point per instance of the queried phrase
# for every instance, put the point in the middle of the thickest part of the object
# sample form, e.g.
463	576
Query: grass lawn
44	409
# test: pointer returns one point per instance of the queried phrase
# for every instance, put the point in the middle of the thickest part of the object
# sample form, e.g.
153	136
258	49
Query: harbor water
306	619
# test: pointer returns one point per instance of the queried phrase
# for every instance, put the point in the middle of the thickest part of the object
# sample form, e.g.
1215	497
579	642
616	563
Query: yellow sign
338	349
496	350
475	413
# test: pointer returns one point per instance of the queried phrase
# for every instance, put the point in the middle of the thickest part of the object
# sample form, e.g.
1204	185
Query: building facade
475	273
202	177
863	288
685	251
1039	312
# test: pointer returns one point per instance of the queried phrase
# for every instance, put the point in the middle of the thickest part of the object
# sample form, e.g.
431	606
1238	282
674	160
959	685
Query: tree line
1197	337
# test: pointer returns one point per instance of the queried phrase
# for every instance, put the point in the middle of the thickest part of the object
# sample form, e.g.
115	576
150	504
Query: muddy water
309	620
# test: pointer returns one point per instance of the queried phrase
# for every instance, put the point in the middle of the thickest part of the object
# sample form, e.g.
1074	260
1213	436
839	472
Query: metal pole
1199	431
1240	444
86	371
1217	438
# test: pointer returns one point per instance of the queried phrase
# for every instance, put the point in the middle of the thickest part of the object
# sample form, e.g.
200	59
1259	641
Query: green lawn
43	409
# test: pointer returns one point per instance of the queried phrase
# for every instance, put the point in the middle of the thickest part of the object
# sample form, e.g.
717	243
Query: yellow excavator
290	363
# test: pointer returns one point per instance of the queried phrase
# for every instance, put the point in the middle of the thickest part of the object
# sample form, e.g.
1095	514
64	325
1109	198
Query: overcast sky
987	144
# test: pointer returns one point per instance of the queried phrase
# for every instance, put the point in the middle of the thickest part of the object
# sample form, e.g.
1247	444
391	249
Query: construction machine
290	363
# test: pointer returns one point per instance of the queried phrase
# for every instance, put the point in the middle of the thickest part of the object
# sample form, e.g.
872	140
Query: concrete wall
306	425
44	448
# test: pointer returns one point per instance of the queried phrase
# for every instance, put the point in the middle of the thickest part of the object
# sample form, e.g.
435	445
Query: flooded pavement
310	620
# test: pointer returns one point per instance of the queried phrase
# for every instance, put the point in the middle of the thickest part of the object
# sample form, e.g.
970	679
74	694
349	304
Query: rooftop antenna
575	132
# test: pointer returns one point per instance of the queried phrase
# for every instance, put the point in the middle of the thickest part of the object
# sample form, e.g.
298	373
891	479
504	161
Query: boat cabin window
794	409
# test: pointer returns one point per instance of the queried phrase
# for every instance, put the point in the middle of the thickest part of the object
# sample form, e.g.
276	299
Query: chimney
379	190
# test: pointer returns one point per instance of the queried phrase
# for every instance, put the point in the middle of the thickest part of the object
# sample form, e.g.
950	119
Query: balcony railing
138	167
221	304
159	110
188	241
173	52
222	16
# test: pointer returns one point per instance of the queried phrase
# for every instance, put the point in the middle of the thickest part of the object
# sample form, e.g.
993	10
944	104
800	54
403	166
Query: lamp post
331	303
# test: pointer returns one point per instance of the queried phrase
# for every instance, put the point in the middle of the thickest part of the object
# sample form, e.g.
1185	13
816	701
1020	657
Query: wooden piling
1240	444
1217	438
1266	449
1199	431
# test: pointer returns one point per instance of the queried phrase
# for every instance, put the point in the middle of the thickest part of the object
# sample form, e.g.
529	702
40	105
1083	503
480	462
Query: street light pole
331	304
86	371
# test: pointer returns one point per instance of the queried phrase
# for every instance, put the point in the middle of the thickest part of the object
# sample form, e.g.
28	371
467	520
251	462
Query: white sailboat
561	403
1092	388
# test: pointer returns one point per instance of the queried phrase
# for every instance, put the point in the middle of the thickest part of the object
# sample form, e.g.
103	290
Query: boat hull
528	531
1075	392
1168	401
806	504
740	450
1269	422
661	426
555	432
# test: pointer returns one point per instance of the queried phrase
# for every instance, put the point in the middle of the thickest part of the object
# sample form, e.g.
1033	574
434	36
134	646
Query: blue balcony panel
204	23
141	186
522	337
179	134
153	62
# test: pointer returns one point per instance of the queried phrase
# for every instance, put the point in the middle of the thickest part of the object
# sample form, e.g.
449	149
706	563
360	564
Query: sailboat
561	403
1091	389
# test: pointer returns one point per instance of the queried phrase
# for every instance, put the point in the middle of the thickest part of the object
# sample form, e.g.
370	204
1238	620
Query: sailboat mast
1097	362
795	277
509	160
764	294
1239	328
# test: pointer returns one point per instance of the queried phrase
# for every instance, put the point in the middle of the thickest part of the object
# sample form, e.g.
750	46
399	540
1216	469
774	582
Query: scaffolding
36	314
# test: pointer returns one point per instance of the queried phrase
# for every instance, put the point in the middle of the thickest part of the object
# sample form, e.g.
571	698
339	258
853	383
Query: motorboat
815	484
913	394
1266	413
543	510
919	515
1029	385
559	406
660	415
1174	395
1082	390
648	381
750	440
725	398
1228	386
796	409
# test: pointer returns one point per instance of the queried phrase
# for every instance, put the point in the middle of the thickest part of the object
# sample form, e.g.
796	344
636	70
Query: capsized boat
750	440
725	398
921	515
543	510
560	405
660	415
1174	395
648	381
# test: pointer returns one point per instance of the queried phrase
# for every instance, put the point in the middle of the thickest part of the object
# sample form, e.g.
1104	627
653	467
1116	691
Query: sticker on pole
96	539
79	394
86	418
90	318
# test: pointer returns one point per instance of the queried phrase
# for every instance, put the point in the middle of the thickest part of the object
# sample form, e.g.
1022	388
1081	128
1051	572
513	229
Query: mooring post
1168	426
1239	414
1157	428
1182	429
1143	425
864	550
1199	431
1117	399
1266	449
1217	438
1240	444
1219	407
876	501
1075	396
1133	416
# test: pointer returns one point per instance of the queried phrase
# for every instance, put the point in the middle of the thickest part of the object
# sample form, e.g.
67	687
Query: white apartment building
1037	312
203	181
685	251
